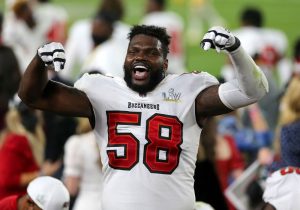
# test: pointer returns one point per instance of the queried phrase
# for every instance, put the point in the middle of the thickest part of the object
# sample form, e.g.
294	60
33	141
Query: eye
131	51
154	53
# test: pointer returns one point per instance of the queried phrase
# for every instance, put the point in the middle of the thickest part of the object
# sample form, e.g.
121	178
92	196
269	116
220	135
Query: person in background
285	170
201	14
82	168
147	124
21	149
21	31
43	193
57	130
267	46
85	36
221	150
250	140
110	50
10	76
56	15
207	184
25	28
288	114
116	8
157	14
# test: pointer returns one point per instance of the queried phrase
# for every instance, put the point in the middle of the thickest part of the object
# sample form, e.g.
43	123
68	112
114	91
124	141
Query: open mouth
140	71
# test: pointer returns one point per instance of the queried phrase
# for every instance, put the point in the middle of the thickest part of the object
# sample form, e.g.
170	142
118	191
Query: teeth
140	67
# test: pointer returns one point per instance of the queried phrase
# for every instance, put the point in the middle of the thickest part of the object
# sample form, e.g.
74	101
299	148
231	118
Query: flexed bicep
208	103
65	100
37	91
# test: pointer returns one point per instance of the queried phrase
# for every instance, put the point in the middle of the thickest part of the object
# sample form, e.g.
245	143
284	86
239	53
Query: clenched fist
219	38
53	54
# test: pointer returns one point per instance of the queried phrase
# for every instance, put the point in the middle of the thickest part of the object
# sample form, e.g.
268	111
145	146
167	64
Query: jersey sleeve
82	83
209	79
200	81
88	83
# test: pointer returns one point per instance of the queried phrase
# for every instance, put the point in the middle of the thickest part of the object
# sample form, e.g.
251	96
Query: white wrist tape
250	83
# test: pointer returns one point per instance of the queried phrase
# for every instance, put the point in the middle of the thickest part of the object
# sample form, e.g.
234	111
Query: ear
166	64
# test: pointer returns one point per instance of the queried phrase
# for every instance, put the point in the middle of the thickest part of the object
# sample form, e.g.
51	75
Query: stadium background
277	13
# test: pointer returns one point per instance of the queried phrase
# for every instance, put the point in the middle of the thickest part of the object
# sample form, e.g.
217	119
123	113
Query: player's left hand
219	38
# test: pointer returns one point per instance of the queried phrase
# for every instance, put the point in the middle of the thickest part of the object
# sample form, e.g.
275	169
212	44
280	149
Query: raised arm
249	85
37	91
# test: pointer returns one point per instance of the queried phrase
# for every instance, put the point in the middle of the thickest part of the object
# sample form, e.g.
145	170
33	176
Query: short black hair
252	16
155	31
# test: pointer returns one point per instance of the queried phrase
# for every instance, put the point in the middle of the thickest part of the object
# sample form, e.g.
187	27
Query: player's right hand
53	53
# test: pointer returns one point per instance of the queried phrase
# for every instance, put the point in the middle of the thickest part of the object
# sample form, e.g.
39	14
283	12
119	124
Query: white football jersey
24	40
282	190
148	142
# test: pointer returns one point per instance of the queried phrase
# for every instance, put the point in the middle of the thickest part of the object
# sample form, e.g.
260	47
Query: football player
147	124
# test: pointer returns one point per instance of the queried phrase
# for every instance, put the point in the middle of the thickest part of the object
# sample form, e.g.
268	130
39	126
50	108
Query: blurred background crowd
94	34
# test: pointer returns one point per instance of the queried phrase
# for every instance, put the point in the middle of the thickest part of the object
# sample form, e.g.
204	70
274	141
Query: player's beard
156	76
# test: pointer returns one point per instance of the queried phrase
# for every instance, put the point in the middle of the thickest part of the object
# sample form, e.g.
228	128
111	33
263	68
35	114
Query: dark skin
268	206
39	92
147	54
26	203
